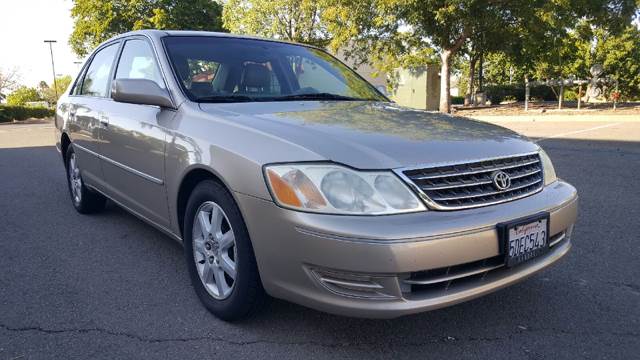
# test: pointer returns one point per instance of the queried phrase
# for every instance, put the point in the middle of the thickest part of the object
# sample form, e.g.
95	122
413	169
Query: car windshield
225	69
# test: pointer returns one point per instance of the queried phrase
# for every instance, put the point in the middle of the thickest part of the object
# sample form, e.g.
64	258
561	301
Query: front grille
470	185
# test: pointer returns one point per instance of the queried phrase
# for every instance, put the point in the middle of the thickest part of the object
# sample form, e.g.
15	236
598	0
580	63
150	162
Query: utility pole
53	66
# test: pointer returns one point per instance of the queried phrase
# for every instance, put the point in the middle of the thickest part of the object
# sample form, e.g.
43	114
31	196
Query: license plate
525	239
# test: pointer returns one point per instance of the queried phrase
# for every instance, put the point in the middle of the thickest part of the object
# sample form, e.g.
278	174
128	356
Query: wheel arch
189	181
65	142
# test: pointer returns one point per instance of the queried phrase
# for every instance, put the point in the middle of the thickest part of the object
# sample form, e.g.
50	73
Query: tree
424	28
552	44
396	31
51	95
9	80
566	42
299	21
97	20
22	95
620	57
487	37
617	52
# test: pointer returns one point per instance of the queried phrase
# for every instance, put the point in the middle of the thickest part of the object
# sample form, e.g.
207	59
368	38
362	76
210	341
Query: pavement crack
335	345
155	340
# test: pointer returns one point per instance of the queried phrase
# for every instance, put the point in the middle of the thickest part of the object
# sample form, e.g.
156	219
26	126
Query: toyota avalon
285	174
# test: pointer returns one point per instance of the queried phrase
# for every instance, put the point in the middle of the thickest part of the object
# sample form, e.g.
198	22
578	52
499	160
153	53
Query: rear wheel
219	254
85	200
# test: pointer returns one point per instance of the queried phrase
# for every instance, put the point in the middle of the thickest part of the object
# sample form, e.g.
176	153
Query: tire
216	259
84	200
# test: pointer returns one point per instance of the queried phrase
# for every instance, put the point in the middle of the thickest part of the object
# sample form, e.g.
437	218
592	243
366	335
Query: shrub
570	95
499	93
457	100
9	113
23	95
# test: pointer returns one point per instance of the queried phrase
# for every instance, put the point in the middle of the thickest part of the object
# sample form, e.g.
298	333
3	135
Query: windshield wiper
315	96
294	97
225	98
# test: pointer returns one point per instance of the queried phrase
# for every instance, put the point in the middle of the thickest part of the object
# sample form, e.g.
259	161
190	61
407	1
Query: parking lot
109	286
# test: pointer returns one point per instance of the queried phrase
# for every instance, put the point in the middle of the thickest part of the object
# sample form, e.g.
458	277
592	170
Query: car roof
165	33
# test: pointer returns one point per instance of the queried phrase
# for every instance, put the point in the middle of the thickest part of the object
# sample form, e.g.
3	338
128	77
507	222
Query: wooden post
526	93
579	95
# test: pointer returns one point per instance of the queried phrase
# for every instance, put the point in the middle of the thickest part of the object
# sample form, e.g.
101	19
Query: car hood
375	135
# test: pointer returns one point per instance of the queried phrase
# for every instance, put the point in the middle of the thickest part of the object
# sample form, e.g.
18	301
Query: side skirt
142	217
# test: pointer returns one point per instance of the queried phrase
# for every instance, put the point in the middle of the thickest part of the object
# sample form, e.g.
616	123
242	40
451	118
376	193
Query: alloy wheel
214	250
74	179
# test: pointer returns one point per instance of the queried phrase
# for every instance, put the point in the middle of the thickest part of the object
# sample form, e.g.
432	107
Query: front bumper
360	265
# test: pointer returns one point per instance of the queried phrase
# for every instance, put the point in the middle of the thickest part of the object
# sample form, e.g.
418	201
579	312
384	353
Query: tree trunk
445	71
481	73
472	78
445	82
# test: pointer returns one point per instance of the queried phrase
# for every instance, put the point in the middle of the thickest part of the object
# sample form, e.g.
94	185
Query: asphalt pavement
109	286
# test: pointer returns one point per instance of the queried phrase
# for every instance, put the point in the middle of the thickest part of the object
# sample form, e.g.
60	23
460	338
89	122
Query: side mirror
140	91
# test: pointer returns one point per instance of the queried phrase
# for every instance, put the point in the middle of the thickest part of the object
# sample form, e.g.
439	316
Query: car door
86	102
133	142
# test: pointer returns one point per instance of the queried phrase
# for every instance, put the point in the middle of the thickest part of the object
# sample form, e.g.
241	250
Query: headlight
334	189
547	167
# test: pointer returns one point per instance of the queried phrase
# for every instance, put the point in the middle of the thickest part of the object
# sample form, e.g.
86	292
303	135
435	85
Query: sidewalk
546	117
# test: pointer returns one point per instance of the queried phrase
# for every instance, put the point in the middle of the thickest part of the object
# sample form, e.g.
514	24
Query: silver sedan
284	173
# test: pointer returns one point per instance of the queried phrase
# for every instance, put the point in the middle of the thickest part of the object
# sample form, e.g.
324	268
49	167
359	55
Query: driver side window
137	62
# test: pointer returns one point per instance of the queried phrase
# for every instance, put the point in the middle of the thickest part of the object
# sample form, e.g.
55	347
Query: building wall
419	88
411	90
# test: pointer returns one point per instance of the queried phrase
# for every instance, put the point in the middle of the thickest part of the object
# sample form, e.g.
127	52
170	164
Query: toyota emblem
501	180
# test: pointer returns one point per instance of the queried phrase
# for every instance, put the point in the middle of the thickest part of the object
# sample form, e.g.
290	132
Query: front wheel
85	200
219	255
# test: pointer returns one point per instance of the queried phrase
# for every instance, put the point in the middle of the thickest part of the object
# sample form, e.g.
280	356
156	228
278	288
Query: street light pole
53	67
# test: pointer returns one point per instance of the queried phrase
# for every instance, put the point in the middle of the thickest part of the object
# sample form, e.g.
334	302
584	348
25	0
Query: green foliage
499	93
457	100
571	95
97	20
48	93
10	113
620	56
299	21
550	43
499	69
23	95
393	33
567	42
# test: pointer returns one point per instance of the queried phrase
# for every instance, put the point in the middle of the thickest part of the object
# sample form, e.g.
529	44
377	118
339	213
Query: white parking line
578	131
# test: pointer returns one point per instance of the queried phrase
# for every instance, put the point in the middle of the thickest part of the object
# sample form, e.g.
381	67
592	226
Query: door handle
72	113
